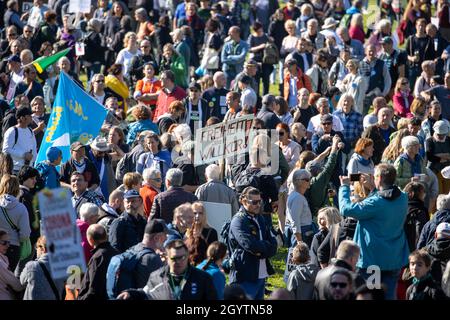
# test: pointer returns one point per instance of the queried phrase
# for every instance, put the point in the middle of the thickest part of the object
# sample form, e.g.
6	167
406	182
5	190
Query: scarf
416	281
415	165
363	161
79	166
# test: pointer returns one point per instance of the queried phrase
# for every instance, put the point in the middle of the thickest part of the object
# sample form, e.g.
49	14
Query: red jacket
148	194
302	82
165	99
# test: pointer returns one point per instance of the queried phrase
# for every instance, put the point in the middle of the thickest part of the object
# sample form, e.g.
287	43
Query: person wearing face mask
437	149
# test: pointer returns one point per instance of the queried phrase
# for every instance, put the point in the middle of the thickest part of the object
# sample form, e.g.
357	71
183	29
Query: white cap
443	230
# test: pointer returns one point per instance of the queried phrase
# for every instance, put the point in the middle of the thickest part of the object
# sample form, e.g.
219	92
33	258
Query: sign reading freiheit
60	228
225	139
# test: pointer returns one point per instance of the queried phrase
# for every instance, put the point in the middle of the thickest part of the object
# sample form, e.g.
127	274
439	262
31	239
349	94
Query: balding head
96	234
219	79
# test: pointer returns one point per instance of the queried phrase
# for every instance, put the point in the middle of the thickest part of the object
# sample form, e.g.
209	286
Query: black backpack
271	54
247	178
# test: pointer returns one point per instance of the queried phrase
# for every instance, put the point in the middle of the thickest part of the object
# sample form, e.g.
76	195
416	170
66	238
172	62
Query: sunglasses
157	179
145	47
341	285
254	202
12	34
327	124
405	83
179	258
305	179
100	81
198	212
5	242
281	133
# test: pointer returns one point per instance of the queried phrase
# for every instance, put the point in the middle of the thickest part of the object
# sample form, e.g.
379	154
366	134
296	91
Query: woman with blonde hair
200	235
15	221
356	28
402	98
130	50
394	149
326	217
116	85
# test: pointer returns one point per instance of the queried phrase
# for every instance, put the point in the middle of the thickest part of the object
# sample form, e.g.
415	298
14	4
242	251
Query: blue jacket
126	231
172	234
138	126
379	232
247	249
427	234
218	277
49	174
233	56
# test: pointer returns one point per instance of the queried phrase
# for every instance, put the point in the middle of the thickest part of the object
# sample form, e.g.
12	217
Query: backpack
121	270
247	178
126	164
345	21
271	54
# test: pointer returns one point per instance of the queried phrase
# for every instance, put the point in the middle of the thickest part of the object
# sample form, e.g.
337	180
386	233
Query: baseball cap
195	85
443	229
131	194
155	226
77	145
53	153
326	118
386	40
251	63
14	58
268	99
440	127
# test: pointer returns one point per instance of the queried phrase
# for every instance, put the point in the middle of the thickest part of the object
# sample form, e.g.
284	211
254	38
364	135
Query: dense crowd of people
358	127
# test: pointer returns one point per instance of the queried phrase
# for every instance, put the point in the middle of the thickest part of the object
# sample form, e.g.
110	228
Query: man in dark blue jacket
266	113
128	230
251	244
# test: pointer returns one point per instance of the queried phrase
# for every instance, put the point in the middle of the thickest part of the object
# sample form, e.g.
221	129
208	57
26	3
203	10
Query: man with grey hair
165	202
93	286
266	113
150	188
183	218
214	190
216	96
312	34
442	215
323	107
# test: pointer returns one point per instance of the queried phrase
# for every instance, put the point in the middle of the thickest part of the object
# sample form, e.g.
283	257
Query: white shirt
248	97
314	124
263	274
124	57
25	142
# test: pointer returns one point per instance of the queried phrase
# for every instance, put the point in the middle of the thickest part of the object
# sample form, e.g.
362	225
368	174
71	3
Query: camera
355	176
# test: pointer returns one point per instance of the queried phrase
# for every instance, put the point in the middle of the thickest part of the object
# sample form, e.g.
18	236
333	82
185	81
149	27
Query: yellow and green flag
43	63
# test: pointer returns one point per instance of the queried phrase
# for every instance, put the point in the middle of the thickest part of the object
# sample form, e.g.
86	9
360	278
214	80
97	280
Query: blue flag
76	116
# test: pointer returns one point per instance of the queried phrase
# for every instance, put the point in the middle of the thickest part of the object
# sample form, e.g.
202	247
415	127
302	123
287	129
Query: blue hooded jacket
49	174
380	230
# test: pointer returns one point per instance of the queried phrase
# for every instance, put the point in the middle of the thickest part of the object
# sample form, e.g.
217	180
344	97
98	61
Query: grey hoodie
301	281
18	214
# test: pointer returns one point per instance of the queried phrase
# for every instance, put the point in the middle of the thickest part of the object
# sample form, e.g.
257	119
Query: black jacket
417	217
93	286
126	231
439	249
426	289
165	203
269	118
90	172
26	197
198	286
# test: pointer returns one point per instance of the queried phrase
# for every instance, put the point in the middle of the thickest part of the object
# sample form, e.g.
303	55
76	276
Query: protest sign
217	214
225	139
60	228
76	6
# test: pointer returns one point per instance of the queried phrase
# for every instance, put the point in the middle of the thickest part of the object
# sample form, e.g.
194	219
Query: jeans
389	278
307	235
254	289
